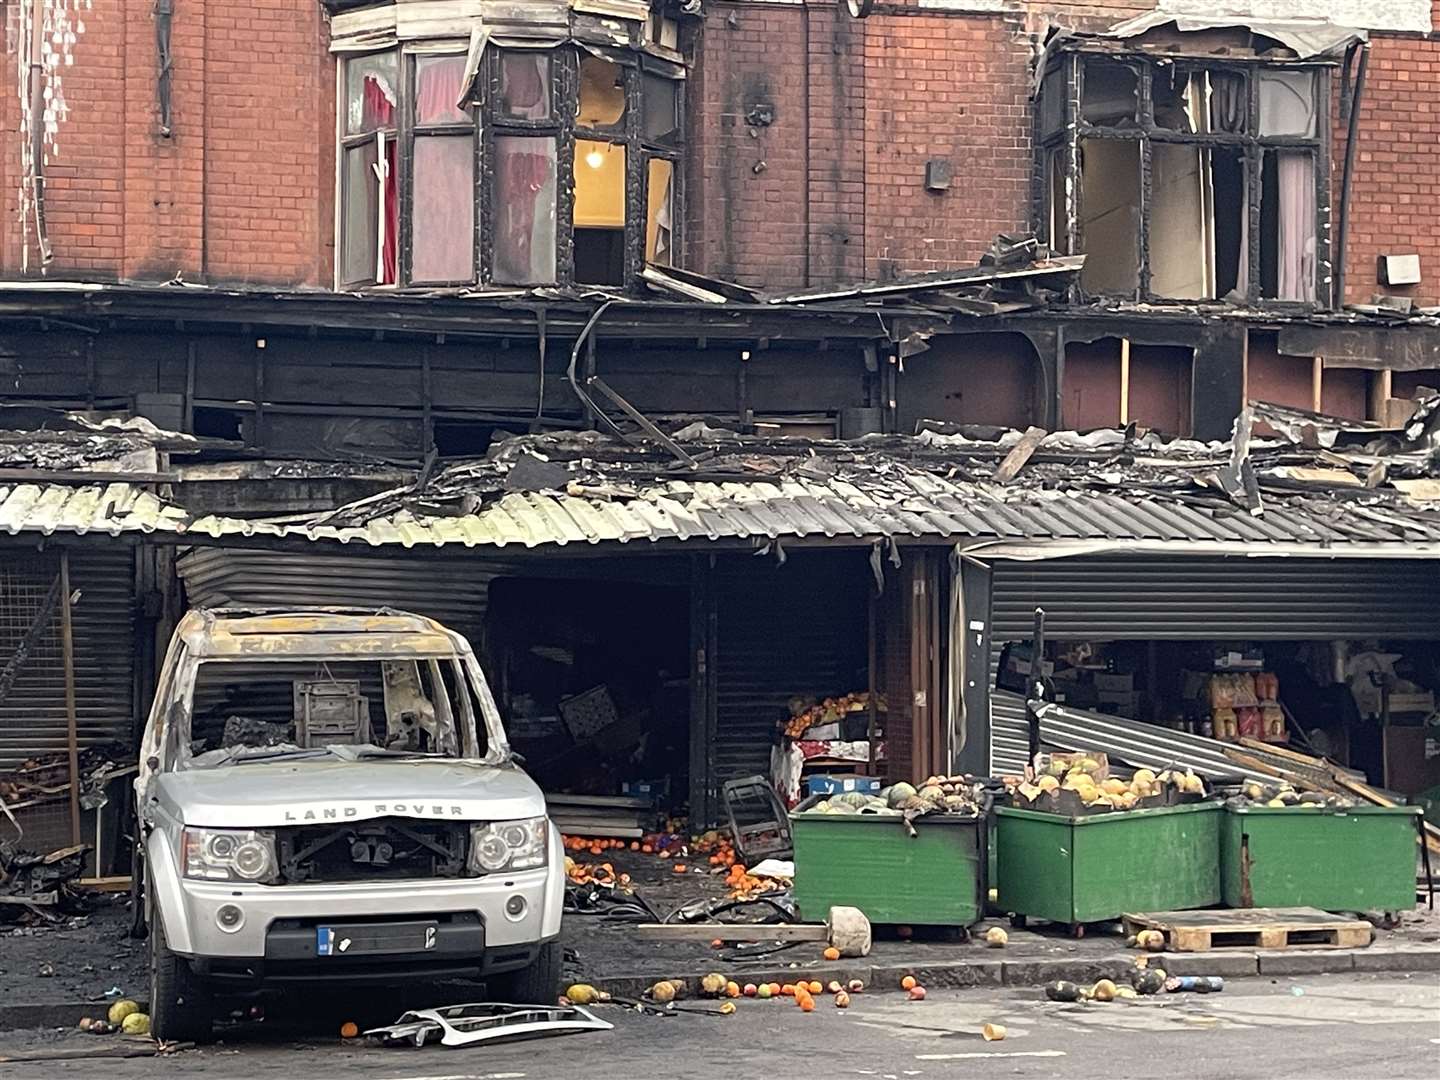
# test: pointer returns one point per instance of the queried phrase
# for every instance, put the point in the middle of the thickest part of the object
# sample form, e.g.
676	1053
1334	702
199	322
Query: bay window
533	166
1187	179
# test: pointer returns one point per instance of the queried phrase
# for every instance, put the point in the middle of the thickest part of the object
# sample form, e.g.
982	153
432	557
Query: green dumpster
1095	868
871	862
1360	858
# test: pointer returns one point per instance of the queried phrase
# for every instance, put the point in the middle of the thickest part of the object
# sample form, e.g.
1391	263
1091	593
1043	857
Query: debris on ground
38	889
465	1025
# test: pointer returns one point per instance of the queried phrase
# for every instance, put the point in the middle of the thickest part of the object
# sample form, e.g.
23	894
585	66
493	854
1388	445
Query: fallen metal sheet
465	1025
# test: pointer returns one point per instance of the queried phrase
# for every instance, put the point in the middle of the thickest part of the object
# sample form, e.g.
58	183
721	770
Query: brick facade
810	136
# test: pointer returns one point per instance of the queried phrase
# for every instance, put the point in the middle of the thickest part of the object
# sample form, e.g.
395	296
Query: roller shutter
33	718
1178	598
782	631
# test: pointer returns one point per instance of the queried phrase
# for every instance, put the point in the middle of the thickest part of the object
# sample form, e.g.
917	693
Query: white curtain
1296	181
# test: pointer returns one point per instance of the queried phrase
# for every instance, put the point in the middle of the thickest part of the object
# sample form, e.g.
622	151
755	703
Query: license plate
375	939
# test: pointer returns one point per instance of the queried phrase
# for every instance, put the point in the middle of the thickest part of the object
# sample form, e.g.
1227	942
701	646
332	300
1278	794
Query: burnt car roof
337	632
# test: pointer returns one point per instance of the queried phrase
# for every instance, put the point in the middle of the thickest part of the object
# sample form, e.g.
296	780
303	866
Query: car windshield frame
474	710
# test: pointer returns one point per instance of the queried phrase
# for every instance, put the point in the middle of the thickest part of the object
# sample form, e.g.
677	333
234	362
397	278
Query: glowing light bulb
595	159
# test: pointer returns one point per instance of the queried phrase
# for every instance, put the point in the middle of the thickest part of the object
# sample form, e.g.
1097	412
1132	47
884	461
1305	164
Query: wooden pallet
1252	928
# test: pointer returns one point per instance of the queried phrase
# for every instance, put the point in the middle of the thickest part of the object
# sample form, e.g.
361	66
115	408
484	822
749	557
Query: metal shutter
782	631
33	719
1180	598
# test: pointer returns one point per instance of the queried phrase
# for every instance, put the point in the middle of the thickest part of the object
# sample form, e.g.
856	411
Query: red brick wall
241	191
831	188
1396	186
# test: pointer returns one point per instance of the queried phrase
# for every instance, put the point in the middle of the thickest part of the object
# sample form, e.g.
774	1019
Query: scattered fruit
732	989
349	1029
1063	991
713	985
585	994
996	937
679	868
663	992
807	1004
788	990
908	982
917	993
727	1008
85	1023
137	1023
763	992
1149	981
993	1032
1104	990
1125	992
717	943
855	986
121	1009
842	1000
774	989
831	953
1150	940
751	990
835	987
815	987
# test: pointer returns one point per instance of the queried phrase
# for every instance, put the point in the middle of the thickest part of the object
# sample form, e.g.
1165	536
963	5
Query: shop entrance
592	676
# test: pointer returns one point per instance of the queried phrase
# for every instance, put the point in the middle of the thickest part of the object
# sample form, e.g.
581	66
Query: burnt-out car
329	795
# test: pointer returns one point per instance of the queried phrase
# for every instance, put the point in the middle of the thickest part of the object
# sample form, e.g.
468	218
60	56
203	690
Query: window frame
345	142
487	123
1066	72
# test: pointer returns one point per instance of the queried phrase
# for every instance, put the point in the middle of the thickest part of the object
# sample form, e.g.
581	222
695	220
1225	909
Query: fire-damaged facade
739	377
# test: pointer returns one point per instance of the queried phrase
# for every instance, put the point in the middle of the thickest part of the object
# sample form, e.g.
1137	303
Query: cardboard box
839	783
1107	682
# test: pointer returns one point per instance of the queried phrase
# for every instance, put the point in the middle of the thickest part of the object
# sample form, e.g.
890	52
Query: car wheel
538	984
181	1005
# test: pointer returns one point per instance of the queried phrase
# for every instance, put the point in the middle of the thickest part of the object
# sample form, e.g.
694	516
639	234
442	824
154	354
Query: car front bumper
275	920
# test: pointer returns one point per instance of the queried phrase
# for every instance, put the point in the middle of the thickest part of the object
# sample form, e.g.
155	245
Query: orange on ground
832	953
679	868
732	989
815	987
908	983
788	989
807	1004
349	1030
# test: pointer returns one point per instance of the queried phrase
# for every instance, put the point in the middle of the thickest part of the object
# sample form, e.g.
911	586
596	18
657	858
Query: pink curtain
522	85
437	89
1296	181
522	177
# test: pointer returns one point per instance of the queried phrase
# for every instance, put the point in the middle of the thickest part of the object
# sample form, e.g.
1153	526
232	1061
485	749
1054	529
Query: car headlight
229	855
508	845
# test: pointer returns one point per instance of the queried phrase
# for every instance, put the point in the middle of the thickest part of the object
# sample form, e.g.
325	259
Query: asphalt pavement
1317	1028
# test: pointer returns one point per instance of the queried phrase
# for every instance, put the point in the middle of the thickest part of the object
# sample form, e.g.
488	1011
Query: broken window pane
442	219
602	93
1110	215
372	92
524	210
1111	93
1287	225
659	228
1052	99
524	86
1179	99
437	89
1287	103
662	108
360	195
1181	256
1057	216
390	212
1229	102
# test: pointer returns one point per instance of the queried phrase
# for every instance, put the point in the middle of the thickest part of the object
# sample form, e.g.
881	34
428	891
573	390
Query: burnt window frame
1065	73
562	126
